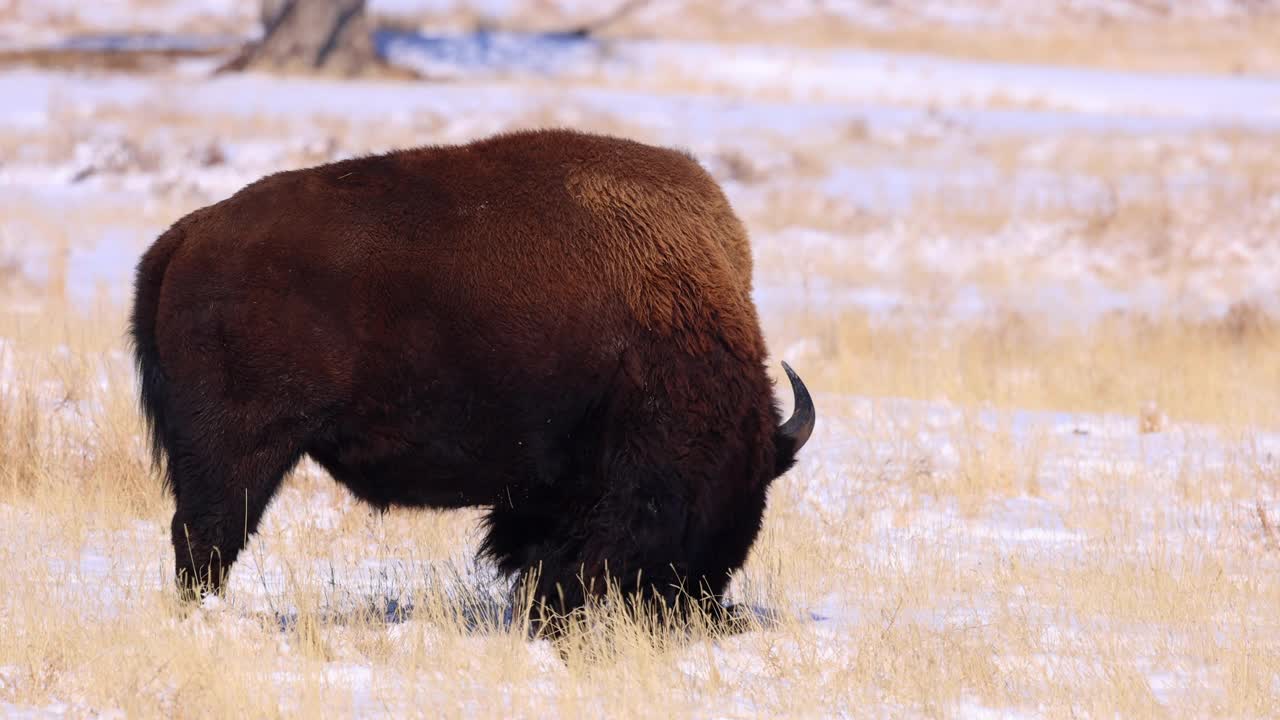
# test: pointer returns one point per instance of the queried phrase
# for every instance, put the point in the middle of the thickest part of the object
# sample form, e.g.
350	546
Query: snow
806	75
36	22
1102	445
132	15
19	712
359	571
850	76
109	161
756	101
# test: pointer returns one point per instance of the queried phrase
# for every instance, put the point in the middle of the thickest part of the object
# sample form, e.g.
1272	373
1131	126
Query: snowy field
1037	299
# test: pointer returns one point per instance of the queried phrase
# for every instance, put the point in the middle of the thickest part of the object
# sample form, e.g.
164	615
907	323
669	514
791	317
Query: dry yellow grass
942	549
1147	40
1149	595
1227	47
1219	371
1144	40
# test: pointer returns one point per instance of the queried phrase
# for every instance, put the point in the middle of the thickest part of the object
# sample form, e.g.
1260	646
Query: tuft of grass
1213	370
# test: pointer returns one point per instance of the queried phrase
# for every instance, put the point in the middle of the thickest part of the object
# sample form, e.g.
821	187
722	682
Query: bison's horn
800	426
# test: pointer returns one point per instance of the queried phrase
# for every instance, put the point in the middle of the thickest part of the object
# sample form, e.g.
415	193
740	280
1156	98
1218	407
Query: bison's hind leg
222	485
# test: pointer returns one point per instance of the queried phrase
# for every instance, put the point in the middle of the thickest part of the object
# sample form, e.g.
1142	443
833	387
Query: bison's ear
795	432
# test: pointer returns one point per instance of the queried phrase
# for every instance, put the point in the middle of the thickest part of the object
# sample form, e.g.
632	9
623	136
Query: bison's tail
152	385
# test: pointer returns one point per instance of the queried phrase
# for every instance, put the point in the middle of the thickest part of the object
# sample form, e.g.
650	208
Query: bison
552	325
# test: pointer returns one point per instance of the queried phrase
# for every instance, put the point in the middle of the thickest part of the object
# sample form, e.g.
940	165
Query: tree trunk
330	37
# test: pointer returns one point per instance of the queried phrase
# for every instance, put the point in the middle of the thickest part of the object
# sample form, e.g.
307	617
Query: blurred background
1067	158
1028	168
1068	205
1022	176
935	160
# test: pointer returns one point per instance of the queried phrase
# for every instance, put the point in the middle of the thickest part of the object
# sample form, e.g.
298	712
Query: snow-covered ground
927	557
51	16
834	140
1093	501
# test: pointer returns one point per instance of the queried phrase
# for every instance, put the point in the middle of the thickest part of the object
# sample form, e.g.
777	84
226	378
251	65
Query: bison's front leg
631	540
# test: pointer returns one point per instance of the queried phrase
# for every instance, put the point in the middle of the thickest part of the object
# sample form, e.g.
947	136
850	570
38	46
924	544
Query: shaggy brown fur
554	325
